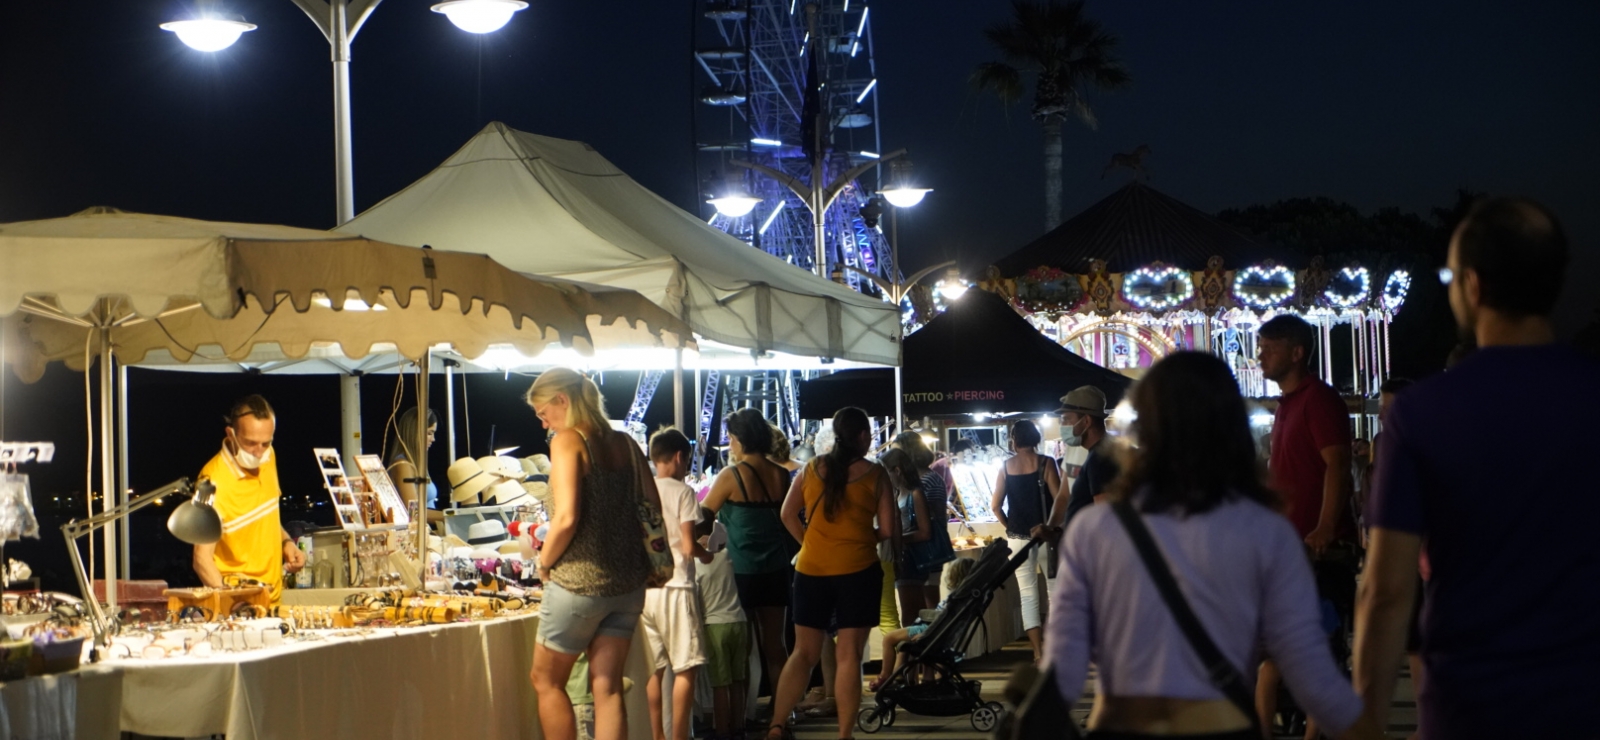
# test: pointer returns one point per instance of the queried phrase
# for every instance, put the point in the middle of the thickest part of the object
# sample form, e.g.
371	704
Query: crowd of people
1174	564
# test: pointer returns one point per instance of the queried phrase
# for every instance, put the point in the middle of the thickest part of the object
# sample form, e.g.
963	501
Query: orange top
252	537
849	542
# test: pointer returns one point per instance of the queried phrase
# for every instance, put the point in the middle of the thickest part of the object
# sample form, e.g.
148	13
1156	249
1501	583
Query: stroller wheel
871	720
985	717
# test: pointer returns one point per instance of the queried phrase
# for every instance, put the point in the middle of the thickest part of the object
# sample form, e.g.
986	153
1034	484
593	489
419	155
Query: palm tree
1067	53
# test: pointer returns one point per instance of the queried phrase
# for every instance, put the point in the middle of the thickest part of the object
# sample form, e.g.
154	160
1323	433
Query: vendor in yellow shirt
254	544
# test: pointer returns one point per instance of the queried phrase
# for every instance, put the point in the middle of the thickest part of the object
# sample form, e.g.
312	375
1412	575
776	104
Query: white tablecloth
81	704
459	680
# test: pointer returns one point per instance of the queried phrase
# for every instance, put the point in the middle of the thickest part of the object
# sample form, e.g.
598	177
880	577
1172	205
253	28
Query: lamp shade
208	34
194	521
479	16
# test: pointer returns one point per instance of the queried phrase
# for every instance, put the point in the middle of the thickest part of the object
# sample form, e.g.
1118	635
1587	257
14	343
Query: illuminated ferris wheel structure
751	60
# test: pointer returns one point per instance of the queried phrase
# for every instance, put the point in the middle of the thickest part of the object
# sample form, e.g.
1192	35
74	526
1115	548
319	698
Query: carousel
1140	274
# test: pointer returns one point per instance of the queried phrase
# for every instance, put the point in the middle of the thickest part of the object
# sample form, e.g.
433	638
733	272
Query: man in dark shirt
1310	466
1511	612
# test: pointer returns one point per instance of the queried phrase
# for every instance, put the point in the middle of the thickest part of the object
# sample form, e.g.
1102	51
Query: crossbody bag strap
1219	670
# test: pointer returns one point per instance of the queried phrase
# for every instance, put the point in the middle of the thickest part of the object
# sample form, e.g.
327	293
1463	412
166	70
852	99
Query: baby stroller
941	647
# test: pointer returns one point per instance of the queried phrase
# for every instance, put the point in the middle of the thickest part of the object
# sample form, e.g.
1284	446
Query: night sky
1243	102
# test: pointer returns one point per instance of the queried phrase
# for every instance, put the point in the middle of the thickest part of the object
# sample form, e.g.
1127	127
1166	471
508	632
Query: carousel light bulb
735	205
1358	275
208	34
1158	276
479	16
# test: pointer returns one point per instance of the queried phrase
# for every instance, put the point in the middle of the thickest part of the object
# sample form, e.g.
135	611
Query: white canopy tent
555	207
124	287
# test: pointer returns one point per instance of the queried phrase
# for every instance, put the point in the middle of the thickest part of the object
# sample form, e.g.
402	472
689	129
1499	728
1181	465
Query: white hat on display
505	467
467	480
487	533
506	492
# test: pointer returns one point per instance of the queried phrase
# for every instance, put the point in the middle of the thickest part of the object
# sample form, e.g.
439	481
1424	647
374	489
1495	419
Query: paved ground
993	670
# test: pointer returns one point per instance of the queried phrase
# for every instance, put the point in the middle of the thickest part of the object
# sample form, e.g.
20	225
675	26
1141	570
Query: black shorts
763	590
838	602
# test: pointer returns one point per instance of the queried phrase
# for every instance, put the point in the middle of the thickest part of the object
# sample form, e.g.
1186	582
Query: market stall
121	287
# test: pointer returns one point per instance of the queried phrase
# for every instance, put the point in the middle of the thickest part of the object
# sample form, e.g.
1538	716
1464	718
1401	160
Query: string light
1395	290
1156	277
1264	286
1358	275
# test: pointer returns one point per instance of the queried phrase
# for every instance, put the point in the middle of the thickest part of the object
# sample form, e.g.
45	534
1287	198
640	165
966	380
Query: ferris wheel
753	61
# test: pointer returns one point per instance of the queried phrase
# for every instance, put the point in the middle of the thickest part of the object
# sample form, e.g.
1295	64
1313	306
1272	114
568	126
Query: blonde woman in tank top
593	562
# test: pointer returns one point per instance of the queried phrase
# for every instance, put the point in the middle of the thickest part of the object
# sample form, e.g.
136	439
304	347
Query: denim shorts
568	622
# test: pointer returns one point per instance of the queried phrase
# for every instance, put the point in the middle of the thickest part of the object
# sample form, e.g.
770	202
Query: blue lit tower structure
756	93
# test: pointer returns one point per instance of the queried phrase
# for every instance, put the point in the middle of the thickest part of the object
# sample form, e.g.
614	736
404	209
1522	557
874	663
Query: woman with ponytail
593	562
839	508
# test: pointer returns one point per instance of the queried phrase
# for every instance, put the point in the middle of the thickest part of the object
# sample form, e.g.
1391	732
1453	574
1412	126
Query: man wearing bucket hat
1083	424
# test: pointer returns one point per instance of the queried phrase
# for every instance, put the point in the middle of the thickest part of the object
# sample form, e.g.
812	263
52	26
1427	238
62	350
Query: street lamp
339	21
734	200
902	191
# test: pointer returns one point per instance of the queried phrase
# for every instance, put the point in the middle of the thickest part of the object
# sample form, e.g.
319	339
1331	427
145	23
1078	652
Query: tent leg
420	523
899	402
450	409
108	493
677	388
126	524
350	419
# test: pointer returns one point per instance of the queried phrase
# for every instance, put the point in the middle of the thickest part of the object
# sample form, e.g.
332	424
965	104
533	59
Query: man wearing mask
254	544
1083	424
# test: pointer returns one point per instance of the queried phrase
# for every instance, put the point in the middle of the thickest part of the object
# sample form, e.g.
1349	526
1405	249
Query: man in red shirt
1310	466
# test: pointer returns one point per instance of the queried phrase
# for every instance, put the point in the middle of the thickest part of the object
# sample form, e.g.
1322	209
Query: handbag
932	553
1221	672
652	526
1052	562
1042	713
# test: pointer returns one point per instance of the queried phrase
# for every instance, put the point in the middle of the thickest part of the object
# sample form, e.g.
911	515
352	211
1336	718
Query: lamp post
340	21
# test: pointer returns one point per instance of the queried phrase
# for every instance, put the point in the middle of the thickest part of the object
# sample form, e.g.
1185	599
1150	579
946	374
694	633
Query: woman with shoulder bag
1180	584
915	528
594	562
1024	492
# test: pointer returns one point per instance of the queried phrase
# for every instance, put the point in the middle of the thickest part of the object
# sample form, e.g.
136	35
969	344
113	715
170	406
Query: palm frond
1004	80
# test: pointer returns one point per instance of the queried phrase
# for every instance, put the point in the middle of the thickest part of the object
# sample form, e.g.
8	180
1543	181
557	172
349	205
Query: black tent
978	356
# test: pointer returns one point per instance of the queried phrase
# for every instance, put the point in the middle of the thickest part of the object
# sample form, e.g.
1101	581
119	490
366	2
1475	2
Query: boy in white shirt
671	616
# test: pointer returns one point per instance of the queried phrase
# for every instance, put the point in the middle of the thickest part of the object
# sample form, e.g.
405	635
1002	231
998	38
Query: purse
1222	673
1052	561
1042	713
652	527
931	554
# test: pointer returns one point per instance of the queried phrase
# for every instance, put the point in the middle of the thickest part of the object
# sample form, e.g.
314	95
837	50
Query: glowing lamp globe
479	16
952	287
208	34
902	197
735	206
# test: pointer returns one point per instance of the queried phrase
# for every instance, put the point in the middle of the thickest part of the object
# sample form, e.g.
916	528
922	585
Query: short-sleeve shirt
1094	477
719	592
678	505
1310	418
1491	462
252	536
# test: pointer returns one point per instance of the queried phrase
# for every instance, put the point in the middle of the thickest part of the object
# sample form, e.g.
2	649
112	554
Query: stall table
467	679
80	704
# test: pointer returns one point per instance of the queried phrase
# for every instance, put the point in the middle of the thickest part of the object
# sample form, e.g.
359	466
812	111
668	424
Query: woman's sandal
784	733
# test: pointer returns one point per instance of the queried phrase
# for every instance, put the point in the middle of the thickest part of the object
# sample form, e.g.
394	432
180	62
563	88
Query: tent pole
350	419
899	401
344	167
450	408
122	472
677	388
108	493
420	523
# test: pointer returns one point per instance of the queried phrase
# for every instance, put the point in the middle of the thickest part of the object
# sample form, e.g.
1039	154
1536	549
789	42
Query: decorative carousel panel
1349	288
1395	290
1264	286
1048	291
1157	287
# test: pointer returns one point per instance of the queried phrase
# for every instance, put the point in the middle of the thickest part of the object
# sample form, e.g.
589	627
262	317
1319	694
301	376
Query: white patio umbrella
123	287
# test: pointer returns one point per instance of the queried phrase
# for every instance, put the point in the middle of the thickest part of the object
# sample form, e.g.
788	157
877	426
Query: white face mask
1071	437
246	459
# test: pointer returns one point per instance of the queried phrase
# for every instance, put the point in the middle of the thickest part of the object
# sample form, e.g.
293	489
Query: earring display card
391	506
345	502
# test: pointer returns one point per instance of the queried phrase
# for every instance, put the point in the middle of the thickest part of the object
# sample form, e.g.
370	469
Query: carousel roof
1131	228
